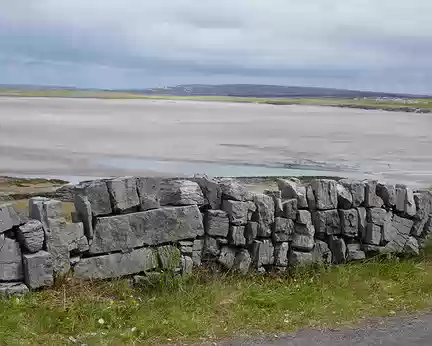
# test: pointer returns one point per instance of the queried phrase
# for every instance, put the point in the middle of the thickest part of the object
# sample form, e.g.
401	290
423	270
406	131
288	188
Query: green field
422	104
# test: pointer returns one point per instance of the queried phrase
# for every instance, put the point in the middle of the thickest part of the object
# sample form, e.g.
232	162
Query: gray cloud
367	44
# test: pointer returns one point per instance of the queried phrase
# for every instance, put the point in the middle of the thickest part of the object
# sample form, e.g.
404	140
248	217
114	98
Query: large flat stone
75	237
181	193
31	235
98	196
38	269
325	194
149	192
11	268
237	236
152	227
116	265
123	194
399	234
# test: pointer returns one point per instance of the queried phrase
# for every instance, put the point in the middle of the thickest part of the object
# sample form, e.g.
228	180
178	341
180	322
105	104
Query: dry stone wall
141	226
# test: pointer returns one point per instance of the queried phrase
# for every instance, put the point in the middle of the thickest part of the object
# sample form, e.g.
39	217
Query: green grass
212	306
424	104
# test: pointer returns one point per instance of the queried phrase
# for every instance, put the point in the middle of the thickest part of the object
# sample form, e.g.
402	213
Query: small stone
251	232
31	235
354	251
232	190
264	214
281	254
242	261
327	222
405	203
123	194
216	223
197	251
293	188
325	194
84	212
321	253
357	189
38	269
11	268
211	190
6	222
361	213
277	200
98	196
372	200
338	249
186	265
181	193
304	217
373	234
302	242
345	199
283	230
378	216
227	257
168	256
298	259
290	209
387	194
13	289
237	211
149	193
423	202
211	247
349	222
262	253
236	236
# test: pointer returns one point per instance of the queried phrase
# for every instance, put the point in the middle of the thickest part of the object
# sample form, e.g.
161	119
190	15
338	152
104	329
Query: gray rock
387	194
75	238
293	189
186	247
18	217
57	244
373	234
152	227
237	211
281	254
310	198
236	236
349	222
262	253
84	212
38	269
372	200
11	268
186	265
181	193
116	265
264	214
283	230
31	235
354	251
299	259
338	248
216	222
325	194
211	190
36	209
405	203
251	232
321	253
302	242
211	247
123	194
197	251
327	222
412	246
74	260
10	289
277	201
251	210
227	257
98	196
378	216
242	261
344	195
149	193
399	235
423	202
361	212
232	190
168	257
290	209
6	222
304	217
357	189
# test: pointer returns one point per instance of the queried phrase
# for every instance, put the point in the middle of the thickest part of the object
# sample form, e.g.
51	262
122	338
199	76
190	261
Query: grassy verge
212	306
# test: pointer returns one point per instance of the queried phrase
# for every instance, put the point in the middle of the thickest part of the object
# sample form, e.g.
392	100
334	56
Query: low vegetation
169	309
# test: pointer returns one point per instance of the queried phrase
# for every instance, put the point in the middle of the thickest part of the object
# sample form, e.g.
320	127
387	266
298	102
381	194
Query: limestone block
357	189
373	234
236	236
211	247
290	209
216	223
293	189
325	194
387	192
181	193
11	268
186	265
327	222
237	211
345	199
38	269
354	251
31	235
84	212
98	196
361	213
149	191
372	200
299	259
338	248
232	190
6	222
264	214
302	242
283	230
242	261
262	253
281	254
251	232
349	222
277	201
123	194
227	257
405	203
321	253
211	190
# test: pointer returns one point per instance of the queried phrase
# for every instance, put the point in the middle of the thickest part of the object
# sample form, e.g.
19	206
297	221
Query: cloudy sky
361	44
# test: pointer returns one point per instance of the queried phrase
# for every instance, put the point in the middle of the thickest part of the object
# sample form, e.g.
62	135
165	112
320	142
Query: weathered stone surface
211	247
387	193
302	242
277	201
251	232
186	265
236	236
354	251
378	216
372	200
197	247
211	190
242	261
357	189
149	193
412	246
281	254
262	253
349	222
399	234
38	269
152	227
11	268
227	257
325	194
84	212
298	259
290	209
116	265
283	230
338	248
373	234
304	217
57	244
186	247
98	196
216	222
36	209
264	214
6	221
232	190
251	209
9	289
168	257
405	203
344	195
423	202
361	212
327	222
303	238
321	253
31	235
75	238
181	193
293	188
237	211
17	216
123	194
